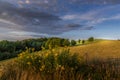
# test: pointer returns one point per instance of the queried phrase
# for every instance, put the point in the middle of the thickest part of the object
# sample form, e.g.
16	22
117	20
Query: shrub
49	60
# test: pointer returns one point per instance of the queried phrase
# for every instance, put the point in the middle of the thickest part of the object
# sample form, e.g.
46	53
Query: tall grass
59	65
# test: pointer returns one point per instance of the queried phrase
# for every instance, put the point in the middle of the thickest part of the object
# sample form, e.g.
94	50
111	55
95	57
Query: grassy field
5	63
103	49
100	49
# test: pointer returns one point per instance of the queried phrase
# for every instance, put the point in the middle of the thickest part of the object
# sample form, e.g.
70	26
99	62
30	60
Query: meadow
101	49
96	61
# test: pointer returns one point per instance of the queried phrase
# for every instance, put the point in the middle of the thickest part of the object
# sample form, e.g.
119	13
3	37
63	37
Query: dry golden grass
102	49
4	63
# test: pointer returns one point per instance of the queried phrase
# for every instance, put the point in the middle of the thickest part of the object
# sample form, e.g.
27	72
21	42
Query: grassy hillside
57	63
5	63
100	49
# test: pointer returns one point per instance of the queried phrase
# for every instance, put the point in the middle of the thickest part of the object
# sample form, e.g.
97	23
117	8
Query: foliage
66	42
73	42
83	41
79	41
56	42
48	61
91	39
10	49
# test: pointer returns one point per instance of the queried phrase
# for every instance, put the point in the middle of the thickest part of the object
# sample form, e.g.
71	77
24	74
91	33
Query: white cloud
94	17
11	34
100	20
25	33
7	22
69	17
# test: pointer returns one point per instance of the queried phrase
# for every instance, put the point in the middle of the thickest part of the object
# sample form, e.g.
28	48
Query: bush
48	61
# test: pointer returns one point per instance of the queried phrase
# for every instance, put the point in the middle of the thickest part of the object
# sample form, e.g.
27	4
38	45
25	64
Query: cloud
101	20
96	16
35	18
96	1
24	16
29	34
78	26
30	20
70	17
88	28
11	34
6	22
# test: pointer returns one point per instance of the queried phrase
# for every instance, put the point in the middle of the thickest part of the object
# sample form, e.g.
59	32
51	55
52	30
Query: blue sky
73	19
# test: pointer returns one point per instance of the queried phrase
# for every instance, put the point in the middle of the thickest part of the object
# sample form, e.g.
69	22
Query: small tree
91	39
73	42
79	41
83	41
66	42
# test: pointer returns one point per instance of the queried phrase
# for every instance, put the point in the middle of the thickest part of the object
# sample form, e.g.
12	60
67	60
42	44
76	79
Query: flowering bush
48	61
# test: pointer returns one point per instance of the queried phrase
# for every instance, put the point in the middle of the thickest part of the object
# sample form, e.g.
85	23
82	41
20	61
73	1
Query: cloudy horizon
73	19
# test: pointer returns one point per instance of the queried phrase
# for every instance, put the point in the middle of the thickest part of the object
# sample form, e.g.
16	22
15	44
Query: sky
73	19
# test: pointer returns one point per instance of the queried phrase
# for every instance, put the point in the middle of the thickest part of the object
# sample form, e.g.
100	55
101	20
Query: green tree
73	42
47	44
91	39
79	41
66	42
83	41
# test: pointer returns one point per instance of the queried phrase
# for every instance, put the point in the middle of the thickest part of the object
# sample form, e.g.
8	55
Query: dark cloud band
35	21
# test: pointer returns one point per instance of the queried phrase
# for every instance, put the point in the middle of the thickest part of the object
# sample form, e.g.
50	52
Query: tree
56	42
79	40
66	42
47	44
73	42
83	41
91	39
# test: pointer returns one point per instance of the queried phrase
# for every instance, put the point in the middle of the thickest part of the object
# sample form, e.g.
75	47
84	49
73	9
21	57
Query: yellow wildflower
59	66
46	54
42	68
55	54
28	63
62	68
53	50
28	57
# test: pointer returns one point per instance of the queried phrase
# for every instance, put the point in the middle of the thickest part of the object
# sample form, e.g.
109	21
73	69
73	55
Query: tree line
10	49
